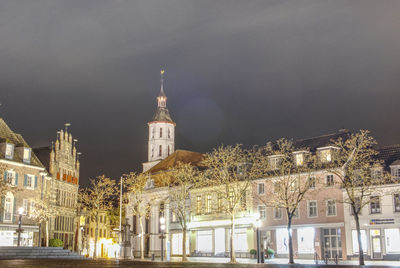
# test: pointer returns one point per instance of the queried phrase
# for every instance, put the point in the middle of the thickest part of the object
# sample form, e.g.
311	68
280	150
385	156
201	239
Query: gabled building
25	180
62	164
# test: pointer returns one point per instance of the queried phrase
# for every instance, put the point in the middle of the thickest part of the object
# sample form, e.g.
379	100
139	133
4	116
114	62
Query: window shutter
35	181
14	216
5	176
16	178
25	179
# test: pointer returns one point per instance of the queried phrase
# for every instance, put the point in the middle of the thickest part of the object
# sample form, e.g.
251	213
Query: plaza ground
194	262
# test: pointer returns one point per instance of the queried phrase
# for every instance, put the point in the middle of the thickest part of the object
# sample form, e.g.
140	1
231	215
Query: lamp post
162	227
257	224
20	230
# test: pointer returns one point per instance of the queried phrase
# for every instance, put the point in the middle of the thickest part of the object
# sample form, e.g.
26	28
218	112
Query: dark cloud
237	71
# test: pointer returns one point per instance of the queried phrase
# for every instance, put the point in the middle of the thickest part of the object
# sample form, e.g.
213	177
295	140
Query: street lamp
162	227
257	224
20	230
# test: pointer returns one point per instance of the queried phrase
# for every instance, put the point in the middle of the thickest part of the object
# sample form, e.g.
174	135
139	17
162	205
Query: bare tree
228	173
183	178
139	204
289	179
42	211
360	172
97	198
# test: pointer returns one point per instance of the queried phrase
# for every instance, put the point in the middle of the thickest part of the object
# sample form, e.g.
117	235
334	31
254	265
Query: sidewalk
283	261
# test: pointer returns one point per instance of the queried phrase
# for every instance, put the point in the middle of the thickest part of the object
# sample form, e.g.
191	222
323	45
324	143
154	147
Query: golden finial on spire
162	71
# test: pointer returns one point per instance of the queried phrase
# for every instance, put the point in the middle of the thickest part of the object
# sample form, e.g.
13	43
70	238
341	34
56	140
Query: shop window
312	209
282	241
392	240
176	243
305	240
375	205
240	240
331	207
363	241
204	241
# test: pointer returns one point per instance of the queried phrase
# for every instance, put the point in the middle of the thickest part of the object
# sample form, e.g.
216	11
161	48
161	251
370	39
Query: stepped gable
7	135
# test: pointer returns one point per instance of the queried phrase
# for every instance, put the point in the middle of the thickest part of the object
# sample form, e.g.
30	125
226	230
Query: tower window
160	151
169	133
168	150
153	131
160	132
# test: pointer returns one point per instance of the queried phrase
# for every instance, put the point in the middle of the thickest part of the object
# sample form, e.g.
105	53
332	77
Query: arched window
160	132
160	151
8	207
152	151
153	131
168	150
169	133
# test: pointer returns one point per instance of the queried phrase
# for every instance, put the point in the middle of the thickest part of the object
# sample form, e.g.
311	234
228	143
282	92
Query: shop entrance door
376	247
331	243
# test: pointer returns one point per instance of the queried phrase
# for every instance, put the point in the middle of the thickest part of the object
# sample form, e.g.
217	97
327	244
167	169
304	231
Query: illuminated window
8	207
274	162
27	155
9	151
396	172
219	202
231	198
305	239
282	241
198	204
299	157
392	240
208	204
204	241
240	240
363	241
326	155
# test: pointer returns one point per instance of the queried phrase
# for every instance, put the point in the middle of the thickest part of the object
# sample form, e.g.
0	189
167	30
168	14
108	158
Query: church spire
162	99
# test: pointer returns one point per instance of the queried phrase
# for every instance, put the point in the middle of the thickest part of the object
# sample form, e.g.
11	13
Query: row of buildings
323	224
48	176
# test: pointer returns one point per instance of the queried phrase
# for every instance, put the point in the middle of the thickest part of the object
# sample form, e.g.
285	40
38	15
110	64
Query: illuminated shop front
176	243
106	248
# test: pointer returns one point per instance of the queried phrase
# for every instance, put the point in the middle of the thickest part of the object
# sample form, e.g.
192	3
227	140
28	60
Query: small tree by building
229	172
359	172
97	198
139	205
288	178
183	178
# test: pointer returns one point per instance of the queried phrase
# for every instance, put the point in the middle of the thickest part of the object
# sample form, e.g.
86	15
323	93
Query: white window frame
27	158
262	210
378	201
334	207
25	205
9	148
314	182
326	180
32	180
396	209
395	171
11	175
308	209
9	196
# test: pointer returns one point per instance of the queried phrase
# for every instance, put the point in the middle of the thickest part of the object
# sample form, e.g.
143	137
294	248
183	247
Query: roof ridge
325	135
389	146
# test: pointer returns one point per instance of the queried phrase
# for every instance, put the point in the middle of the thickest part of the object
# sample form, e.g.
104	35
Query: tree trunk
360	249
141	238
47	234
232	249
184	258
95	237
289	228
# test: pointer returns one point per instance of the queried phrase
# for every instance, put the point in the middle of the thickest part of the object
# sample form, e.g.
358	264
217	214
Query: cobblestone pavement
195	263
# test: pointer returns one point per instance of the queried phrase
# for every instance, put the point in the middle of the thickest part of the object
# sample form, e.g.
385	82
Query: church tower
161	132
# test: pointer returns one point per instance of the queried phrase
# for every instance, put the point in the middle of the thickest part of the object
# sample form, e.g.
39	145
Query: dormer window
326	153
274	161
299	158
27	155
9	154
396	172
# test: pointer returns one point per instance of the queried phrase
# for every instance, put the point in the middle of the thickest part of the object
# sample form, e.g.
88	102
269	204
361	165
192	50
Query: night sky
237	71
